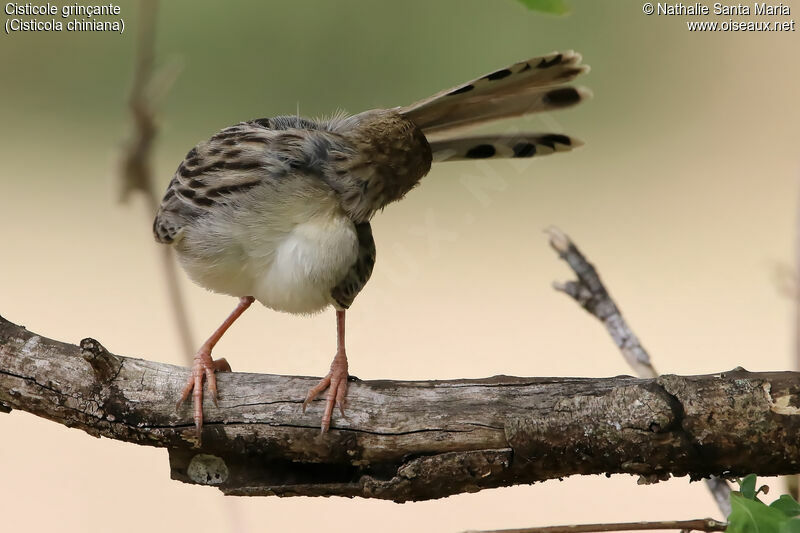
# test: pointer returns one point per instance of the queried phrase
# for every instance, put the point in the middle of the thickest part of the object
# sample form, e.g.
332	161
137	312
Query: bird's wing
346	291
234	161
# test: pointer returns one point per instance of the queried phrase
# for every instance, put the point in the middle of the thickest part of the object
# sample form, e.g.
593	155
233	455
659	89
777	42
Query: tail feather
525	87
496	146
490	108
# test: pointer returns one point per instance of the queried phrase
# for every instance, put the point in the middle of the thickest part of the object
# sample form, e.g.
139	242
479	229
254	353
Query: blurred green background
241	59
684	196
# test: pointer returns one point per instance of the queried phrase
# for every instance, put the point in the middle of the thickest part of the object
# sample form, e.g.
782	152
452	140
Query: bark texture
412	440
590	292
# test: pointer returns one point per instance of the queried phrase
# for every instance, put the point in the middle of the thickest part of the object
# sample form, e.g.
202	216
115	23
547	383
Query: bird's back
258	210
234	161
368	160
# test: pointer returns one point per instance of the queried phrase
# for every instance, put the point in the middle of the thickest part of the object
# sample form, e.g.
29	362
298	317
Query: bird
277	210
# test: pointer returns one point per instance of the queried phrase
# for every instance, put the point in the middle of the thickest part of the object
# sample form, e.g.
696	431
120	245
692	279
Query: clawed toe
315	391
336	384
204	368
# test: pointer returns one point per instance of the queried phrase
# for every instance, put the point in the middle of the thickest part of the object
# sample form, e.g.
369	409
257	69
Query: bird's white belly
288	263
306	265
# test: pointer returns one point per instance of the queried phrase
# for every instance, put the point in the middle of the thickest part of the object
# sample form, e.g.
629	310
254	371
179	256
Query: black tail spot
461	90
482	151
499	75
544	63
524	150
556	138
563	97
569	73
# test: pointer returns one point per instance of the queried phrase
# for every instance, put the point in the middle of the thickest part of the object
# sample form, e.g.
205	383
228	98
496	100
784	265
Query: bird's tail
532	86
516	145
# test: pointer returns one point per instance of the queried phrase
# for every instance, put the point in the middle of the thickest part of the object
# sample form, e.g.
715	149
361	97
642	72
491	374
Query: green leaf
787	505
752	516
554	7
747	486
790	526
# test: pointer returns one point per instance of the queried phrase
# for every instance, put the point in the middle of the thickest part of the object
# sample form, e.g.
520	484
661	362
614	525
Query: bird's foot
336	383
204	367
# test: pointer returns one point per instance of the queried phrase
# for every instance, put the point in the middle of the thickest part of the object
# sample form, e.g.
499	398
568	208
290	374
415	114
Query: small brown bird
278	209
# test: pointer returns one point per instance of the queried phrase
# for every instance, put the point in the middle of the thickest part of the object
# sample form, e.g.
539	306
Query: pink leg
335	381
204	366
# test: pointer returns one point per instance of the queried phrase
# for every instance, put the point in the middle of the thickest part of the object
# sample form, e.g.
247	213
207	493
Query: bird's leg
335	381
206	367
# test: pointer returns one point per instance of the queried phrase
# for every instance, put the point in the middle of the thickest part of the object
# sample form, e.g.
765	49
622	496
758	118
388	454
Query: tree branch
590	292
412	440
699	524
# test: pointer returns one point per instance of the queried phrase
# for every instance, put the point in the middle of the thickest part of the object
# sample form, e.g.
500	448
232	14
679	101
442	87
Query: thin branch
136	167
590	292
137	159
412	440
700	524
